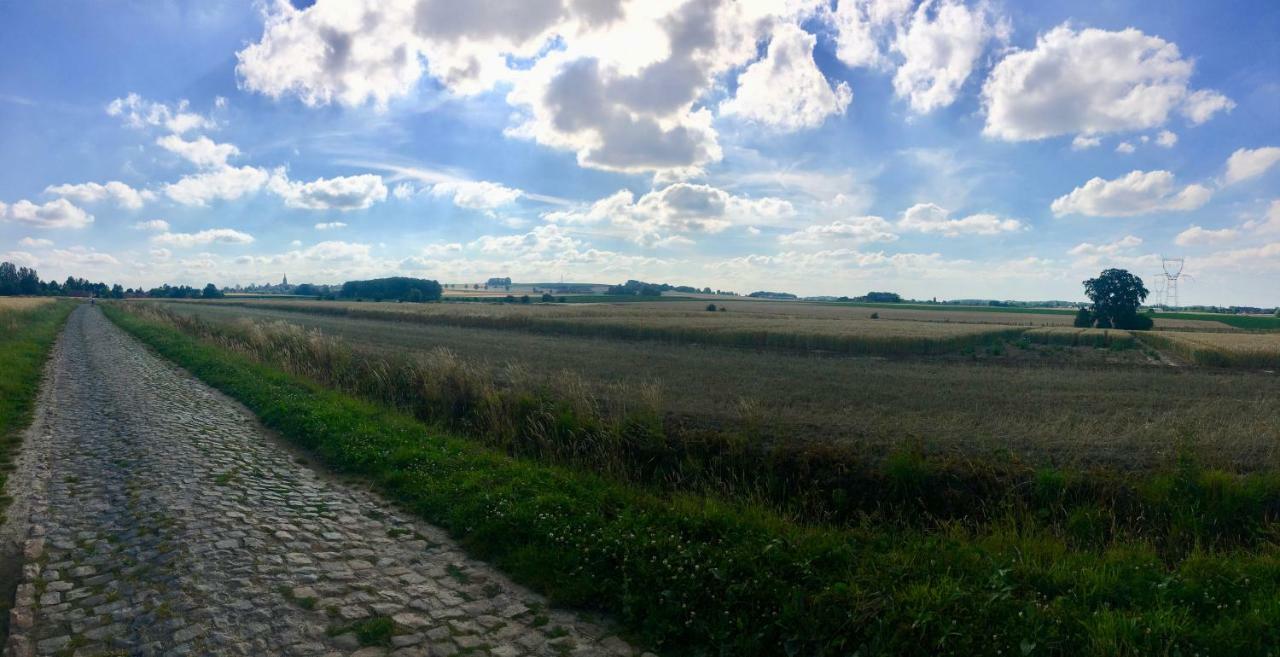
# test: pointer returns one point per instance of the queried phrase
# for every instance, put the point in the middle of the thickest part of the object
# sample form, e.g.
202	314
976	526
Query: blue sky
950	149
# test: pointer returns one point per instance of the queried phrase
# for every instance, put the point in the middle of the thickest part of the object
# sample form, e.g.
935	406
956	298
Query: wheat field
1261	350
22	303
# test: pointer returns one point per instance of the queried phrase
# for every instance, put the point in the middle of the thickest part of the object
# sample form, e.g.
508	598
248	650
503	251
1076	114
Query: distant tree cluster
397	288
880	297
1116	295
643	289
503	282
167	291
772	295
15	280
636	289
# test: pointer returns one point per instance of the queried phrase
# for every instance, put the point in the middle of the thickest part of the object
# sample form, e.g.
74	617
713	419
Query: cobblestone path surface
164	521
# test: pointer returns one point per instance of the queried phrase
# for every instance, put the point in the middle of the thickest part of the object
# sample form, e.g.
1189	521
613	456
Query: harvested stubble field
1015	497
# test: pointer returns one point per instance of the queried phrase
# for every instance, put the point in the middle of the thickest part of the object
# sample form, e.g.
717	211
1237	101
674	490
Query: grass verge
690	575
26	337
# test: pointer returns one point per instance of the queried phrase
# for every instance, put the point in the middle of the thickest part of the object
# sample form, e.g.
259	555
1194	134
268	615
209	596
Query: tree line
25	281
396	288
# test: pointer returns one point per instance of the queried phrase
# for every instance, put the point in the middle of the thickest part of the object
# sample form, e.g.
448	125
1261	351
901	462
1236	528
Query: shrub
875	315
711	307
547	298
1134	322
1084	318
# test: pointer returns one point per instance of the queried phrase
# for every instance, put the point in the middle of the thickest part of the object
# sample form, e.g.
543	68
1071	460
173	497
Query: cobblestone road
164	521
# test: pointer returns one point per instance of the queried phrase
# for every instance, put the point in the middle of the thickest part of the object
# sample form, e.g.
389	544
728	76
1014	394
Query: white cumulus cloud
858	230
330	225
1092	81
222	184
1139	192
138	112
204	237
862	25
929	218
58	213
1196	235
1248	163
616	83
680	208
91	192
1124	244
338	193
476	195
785	90
939	49
201	151
158	225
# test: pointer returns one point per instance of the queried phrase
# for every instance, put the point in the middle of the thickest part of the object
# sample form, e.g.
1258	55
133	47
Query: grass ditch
697	575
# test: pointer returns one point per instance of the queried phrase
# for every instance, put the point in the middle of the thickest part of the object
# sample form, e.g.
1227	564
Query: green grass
1250	322
25	340
692	575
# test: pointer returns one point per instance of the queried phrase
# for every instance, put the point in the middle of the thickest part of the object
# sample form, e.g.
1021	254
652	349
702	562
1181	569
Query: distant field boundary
689	575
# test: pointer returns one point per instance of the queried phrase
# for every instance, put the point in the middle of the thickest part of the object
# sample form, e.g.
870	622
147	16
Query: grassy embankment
692	574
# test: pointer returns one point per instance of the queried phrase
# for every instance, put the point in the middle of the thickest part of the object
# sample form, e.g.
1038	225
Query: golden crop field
1222	349
684	323
23	303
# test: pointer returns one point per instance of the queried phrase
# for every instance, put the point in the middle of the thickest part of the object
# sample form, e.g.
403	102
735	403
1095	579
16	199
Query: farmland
1001	439
957	404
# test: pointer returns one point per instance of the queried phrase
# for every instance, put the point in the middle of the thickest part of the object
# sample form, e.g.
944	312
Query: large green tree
1116	296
